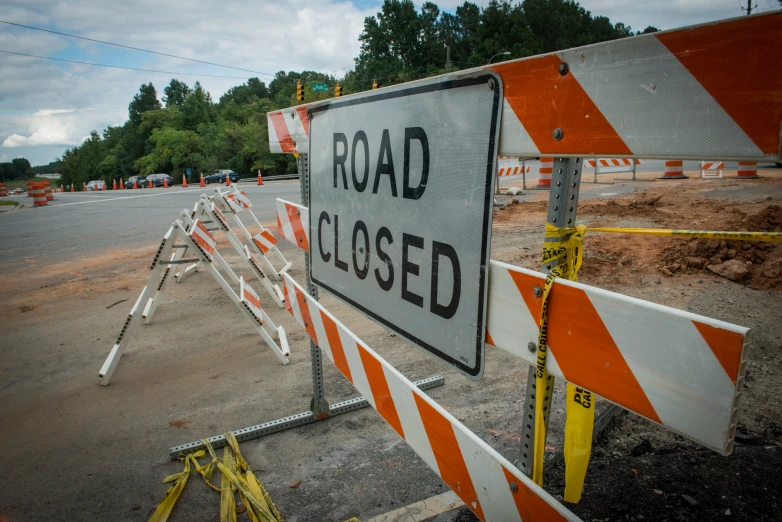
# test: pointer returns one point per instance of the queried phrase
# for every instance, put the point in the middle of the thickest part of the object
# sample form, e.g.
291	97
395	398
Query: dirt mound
754	263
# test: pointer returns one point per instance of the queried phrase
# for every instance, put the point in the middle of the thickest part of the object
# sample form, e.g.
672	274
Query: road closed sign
400	205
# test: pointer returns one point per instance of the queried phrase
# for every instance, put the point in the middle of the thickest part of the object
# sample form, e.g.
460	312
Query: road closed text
400	212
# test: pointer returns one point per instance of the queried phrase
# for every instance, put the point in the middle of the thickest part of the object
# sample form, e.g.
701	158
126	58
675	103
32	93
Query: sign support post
318	404
562	206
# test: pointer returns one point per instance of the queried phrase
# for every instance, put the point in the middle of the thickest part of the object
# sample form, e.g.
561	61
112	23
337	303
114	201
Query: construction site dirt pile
756	264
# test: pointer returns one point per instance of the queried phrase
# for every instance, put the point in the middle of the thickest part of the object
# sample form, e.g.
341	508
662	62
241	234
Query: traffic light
337	91
299	92
374	84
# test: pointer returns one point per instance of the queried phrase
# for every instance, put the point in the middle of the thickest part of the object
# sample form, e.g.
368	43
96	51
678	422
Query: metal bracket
562	206
291	421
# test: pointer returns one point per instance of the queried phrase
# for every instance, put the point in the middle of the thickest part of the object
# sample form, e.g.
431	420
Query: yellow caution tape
578	440
768	237
568	253
236	477
163	510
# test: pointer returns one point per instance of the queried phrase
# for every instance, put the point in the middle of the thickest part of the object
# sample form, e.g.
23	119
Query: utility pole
447	58
749	7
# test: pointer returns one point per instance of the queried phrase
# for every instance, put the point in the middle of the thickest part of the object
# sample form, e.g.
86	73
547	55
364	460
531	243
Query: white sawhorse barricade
233	202
715	167
207	211
611	166
191	236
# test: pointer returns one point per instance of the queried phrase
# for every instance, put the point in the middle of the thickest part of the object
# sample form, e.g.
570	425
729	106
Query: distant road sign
320	87
400	209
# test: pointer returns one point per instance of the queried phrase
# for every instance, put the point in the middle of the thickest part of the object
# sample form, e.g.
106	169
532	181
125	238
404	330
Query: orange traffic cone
83	187
202	180
151	183
135	185
184	181
115	185
106	187
165	182
260	178
71	187
227	180
121	184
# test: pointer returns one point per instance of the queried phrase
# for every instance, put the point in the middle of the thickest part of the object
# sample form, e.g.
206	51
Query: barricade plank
487	483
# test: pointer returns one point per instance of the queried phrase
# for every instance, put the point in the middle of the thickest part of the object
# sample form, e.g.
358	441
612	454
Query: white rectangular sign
400	205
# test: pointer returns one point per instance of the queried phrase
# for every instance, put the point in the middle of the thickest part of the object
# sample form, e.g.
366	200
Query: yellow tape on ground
236	477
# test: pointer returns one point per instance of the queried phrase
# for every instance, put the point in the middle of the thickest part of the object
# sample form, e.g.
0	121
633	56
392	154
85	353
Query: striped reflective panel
487	483
293	223
661	95
679	369
265	241
203	239
251	299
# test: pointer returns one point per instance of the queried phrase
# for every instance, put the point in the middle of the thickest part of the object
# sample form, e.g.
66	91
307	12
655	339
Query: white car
96	185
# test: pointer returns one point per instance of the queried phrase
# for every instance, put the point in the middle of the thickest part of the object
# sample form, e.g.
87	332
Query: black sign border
483	78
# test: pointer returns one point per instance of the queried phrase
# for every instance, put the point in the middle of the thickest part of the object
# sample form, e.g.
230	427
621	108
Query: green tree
175	93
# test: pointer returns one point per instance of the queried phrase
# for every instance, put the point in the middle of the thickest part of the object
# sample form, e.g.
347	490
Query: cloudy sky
46	106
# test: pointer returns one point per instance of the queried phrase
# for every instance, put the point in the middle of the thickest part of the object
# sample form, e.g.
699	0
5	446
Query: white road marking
115	199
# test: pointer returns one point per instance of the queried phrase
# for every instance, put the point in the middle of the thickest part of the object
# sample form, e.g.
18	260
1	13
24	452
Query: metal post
524	174
318	404
562	206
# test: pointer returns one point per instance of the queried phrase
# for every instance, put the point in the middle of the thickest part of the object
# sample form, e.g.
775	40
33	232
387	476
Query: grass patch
6	202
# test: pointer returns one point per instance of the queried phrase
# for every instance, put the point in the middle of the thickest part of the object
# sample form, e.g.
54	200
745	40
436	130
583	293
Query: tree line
188	129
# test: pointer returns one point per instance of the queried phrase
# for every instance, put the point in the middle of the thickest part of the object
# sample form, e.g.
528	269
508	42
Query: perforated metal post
562	206
319	405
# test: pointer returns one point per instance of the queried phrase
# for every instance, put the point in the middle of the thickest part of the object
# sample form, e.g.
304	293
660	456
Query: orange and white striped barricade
30	188
207	212
3	190
748	170
545	171
611	166
492	487
691	382
586	85
293	223
199	243
508	166
709	166
39	195
233	202
674	169
48	193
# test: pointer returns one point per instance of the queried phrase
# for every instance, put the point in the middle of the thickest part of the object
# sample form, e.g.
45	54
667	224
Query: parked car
219	176
141	182
96	185
157	179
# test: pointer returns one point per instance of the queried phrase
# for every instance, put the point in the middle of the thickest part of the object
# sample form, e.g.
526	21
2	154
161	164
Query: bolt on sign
400	200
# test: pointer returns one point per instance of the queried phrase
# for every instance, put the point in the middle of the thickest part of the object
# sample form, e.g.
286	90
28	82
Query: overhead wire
122	67
134	48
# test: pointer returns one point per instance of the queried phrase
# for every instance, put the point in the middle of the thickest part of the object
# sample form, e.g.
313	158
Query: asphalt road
80	224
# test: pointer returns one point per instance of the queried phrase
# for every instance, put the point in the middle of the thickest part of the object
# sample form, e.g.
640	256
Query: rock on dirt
733	269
